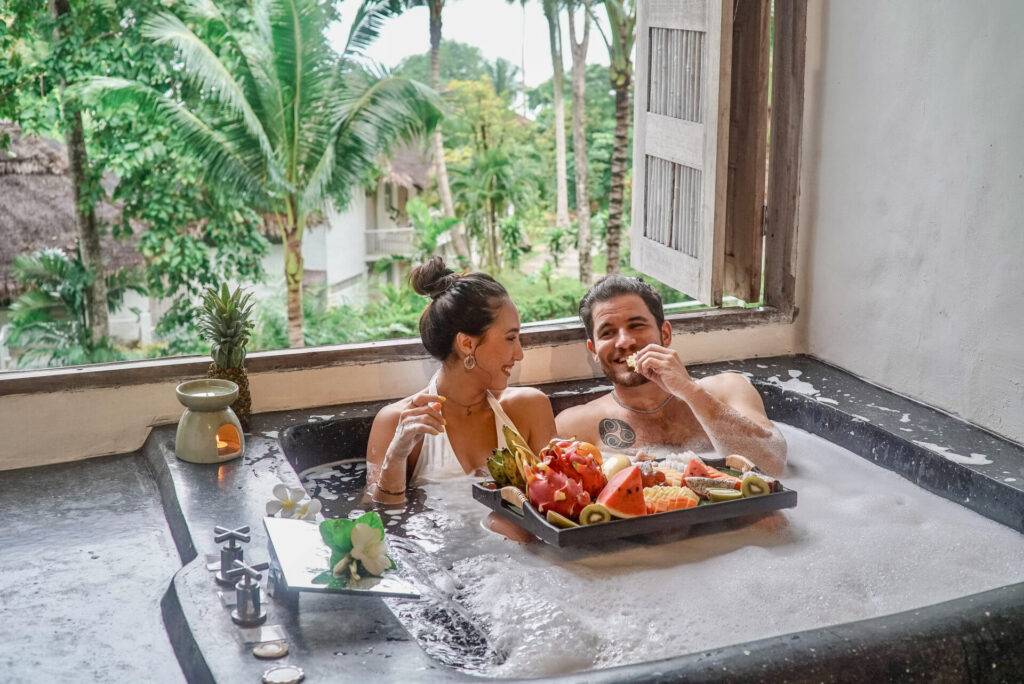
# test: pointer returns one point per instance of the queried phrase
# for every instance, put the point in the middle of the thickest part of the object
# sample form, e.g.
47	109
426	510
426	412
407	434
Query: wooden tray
675	521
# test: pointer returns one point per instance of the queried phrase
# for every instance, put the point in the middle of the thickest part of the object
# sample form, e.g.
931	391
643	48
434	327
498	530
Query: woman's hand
421	417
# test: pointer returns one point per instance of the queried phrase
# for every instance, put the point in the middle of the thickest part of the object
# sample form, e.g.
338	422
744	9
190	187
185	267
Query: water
862	542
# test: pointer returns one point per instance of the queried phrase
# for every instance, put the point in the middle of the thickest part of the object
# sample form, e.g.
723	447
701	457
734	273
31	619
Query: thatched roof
410	166
37	206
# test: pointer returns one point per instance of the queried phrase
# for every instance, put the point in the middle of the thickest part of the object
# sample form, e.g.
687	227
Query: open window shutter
680	143
748	150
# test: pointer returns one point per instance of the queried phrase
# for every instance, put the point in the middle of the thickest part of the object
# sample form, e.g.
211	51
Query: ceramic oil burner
209	431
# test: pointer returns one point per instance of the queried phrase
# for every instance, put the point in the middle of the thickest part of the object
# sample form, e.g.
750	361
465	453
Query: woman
451	427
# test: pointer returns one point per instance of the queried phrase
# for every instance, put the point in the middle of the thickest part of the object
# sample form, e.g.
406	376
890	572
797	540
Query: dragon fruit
577	462
551	490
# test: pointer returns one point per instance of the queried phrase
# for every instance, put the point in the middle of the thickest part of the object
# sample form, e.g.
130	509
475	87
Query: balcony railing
388	241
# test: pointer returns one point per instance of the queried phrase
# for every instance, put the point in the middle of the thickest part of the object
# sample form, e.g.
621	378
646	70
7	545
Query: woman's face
499	348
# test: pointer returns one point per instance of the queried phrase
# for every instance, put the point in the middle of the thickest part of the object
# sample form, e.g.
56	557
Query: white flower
341	567
286	500
308	509
368	546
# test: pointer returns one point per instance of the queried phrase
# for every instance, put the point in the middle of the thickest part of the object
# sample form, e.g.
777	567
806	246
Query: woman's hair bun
432	278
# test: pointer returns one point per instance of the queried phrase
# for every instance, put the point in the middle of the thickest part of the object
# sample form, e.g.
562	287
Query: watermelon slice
623	496
698	468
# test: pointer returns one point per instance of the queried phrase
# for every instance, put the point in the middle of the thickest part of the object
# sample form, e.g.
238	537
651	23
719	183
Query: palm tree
287	122
579	134
551	13
622	27
493	181
503	75
436	139
50	320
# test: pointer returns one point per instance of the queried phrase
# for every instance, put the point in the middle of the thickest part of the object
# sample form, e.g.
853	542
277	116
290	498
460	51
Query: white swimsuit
437	459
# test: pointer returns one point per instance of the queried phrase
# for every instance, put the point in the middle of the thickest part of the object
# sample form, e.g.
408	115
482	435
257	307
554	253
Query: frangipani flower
368	546
286	500
308	509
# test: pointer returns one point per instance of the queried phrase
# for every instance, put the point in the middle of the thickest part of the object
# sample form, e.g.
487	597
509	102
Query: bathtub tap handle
249	610
231	552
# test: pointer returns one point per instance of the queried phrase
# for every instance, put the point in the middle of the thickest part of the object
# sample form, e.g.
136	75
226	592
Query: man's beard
627	378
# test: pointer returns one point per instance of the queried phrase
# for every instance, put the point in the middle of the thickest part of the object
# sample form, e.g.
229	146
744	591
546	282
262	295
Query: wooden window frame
783	194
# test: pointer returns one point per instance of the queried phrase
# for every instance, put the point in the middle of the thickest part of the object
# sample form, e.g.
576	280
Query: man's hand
663	367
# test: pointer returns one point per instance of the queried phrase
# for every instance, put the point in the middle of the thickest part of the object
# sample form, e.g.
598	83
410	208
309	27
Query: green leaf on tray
337	534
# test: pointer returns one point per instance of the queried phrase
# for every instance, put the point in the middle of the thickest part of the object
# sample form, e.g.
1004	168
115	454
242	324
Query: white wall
346	243
912	216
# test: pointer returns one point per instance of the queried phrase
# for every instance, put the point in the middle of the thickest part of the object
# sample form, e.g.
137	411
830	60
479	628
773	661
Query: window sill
540	334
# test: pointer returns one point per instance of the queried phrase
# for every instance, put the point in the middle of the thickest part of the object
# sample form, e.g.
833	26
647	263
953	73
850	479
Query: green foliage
502	74
226	323
337	535
283	122
193	234
557	237
428	228
50	319
543	296
600	127
459	62
513	243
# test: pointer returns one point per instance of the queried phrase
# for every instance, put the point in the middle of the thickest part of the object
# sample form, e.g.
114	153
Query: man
658	403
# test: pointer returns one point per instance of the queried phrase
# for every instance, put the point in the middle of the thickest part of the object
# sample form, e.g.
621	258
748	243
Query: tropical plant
50	319
456	62
428	228
556	236
486	187
502	74
513	241
226	322
293	124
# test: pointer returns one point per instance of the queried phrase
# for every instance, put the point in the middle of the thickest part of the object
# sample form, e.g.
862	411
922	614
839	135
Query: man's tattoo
616	433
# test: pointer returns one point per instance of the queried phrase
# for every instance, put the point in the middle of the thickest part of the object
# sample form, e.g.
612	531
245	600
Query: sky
494	26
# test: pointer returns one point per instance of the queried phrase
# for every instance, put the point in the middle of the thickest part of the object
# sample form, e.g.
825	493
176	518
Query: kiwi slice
724	494
754	486
594	513
559	520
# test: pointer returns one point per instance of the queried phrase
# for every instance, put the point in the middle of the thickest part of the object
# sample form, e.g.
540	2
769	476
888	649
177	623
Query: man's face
624	325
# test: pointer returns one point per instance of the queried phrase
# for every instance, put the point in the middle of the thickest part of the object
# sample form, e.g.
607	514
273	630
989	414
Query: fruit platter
570	494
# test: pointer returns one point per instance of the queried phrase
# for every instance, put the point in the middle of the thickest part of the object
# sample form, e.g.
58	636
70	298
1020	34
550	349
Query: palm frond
373	117
202	66
231	156
35	306
366	25
45	266
305	63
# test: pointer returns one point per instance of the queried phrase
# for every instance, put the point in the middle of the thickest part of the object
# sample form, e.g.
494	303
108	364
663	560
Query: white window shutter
680	143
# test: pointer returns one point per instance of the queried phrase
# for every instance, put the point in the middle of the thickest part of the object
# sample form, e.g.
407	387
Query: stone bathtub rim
977	634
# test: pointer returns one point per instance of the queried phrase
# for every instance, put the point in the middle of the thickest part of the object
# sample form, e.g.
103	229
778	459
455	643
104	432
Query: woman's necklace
469	407
636	410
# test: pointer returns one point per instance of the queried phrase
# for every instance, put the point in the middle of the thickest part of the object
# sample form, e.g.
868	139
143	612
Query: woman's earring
469	362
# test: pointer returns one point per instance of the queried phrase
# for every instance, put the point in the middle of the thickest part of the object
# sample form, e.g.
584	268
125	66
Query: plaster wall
912	197
345	243
54	427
